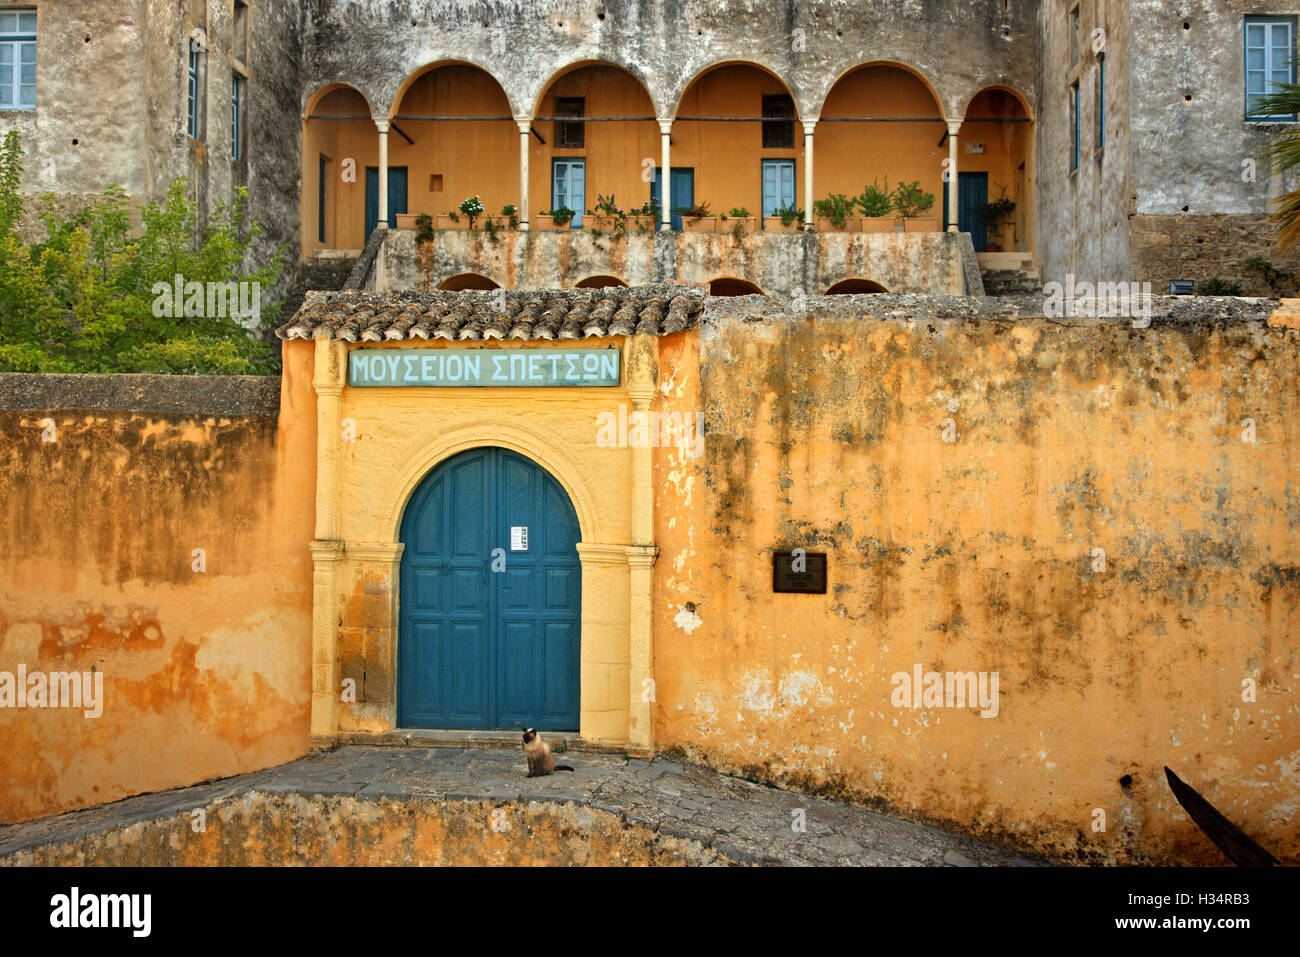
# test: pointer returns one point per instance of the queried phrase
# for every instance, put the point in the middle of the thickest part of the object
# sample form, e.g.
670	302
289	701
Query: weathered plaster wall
290	830
1083	214
978	555
960	46
205	673
111	100
775	262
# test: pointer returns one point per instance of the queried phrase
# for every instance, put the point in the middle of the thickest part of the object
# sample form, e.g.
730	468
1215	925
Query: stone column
808	173
953	127
327	549
383	172
525	125
665	173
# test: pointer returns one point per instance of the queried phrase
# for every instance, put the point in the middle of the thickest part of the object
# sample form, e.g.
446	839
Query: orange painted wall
337	140
979	555
205	674
851	155
1007	147
614	151
727	157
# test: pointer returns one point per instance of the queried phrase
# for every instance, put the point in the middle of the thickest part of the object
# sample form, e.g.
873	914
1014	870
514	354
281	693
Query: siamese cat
540	759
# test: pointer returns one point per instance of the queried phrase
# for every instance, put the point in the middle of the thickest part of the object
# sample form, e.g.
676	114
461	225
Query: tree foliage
87	298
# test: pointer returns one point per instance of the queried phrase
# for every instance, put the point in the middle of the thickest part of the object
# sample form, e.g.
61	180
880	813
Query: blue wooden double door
490	598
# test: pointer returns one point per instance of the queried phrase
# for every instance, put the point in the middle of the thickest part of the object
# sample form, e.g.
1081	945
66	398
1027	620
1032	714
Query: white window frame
17	42
1271	54
194	81
238	89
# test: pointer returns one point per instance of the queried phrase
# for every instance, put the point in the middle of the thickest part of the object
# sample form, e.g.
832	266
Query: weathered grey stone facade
1166	198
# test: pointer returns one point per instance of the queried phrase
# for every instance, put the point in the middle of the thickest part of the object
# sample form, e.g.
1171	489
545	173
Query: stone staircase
326	269
1008	274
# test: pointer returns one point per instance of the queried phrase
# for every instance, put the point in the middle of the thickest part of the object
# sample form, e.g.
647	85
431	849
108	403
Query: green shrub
1217	286
93	297
911	201
875	201
836	207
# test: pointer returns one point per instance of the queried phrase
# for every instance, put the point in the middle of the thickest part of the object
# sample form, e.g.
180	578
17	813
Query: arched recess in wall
599	282
594	125
737	142
452	136
467	280
853	286
996	150
339	142
731	286
881	123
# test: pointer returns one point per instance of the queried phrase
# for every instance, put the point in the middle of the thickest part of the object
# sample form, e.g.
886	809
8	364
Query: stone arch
942	102
598	282
634	72
853	285
395	98
801	107
733	286
468	280
537	444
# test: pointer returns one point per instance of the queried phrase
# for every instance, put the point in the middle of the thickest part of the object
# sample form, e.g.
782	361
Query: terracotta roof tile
555	314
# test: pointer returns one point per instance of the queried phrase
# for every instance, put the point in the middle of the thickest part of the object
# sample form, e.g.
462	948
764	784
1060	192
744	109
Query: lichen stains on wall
293	830
1098	531
205	655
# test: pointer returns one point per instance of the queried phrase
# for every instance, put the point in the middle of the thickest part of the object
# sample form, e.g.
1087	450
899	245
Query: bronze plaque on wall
810	579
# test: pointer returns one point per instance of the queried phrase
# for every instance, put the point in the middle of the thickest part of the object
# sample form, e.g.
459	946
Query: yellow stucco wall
205	673
398	436
978	555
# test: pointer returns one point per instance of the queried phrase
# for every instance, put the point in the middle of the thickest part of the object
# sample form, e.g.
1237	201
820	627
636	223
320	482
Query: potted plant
787	219
605	217
561	218
876	204
424	228
697	219
738	220
996	216
406	220
644	218
835	214
451	220
912	203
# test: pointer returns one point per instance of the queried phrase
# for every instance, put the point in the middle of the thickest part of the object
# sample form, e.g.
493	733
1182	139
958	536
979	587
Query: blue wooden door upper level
489	639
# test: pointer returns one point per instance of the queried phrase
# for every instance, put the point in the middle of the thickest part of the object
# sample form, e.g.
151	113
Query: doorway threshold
432	738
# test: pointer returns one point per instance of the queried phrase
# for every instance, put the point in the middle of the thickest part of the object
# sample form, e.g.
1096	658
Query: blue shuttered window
192	111
17	60
1270	46
236	117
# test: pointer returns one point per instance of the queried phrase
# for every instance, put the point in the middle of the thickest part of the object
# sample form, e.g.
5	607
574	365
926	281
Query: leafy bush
875	201
836	207
562	216
424	228
911	201
1217	286
93	297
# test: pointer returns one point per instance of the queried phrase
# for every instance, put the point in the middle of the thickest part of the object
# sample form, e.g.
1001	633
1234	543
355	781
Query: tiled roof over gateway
560	314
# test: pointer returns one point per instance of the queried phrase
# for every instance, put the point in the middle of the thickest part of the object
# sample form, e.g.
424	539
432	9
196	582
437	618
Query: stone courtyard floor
744	822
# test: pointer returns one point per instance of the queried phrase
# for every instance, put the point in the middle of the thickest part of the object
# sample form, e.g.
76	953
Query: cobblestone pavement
745	822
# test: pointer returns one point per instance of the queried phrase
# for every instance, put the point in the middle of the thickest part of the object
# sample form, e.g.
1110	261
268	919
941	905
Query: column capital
382	126
808	127
375	551
525	124
665	126
325	552
954	126
642	556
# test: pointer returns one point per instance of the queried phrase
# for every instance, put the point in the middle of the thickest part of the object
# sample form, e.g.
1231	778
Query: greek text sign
483	368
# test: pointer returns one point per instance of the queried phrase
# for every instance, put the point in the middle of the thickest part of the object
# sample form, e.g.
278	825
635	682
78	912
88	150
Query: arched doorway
490	592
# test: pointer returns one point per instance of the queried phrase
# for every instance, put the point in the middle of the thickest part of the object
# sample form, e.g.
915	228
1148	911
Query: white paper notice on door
519	538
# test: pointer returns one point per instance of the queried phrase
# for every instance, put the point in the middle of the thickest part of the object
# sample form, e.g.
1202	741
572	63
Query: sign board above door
483	368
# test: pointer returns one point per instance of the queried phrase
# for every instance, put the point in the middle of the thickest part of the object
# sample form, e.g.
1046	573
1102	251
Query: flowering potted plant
787	219
912	203
835	214
697	219
561	218
606	217
876	204
738	220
